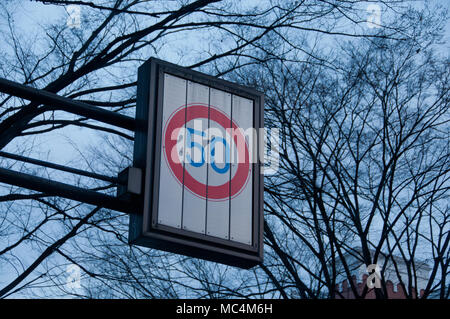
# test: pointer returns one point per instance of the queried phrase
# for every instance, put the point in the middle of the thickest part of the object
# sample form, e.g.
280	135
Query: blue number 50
191	144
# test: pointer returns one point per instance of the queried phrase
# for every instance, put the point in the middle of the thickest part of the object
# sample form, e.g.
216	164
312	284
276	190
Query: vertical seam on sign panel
207	161
184	150
231	166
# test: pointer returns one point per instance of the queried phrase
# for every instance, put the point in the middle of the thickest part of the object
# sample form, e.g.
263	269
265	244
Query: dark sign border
144	229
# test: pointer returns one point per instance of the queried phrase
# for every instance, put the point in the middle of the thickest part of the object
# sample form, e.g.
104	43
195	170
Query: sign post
197	142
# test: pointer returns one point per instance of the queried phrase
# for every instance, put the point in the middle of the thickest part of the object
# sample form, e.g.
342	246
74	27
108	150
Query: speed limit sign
232	186
198	145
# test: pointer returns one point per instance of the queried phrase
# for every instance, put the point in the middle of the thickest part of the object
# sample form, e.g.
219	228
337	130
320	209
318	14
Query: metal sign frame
144	229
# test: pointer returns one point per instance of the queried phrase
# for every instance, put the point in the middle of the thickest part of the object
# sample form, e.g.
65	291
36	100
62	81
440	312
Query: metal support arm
63	168
53	188
57	102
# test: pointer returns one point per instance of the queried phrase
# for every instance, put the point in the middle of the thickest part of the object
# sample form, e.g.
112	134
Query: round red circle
220	192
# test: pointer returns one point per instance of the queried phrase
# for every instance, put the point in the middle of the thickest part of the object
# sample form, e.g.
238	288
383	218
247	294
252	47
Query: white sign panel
206	161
